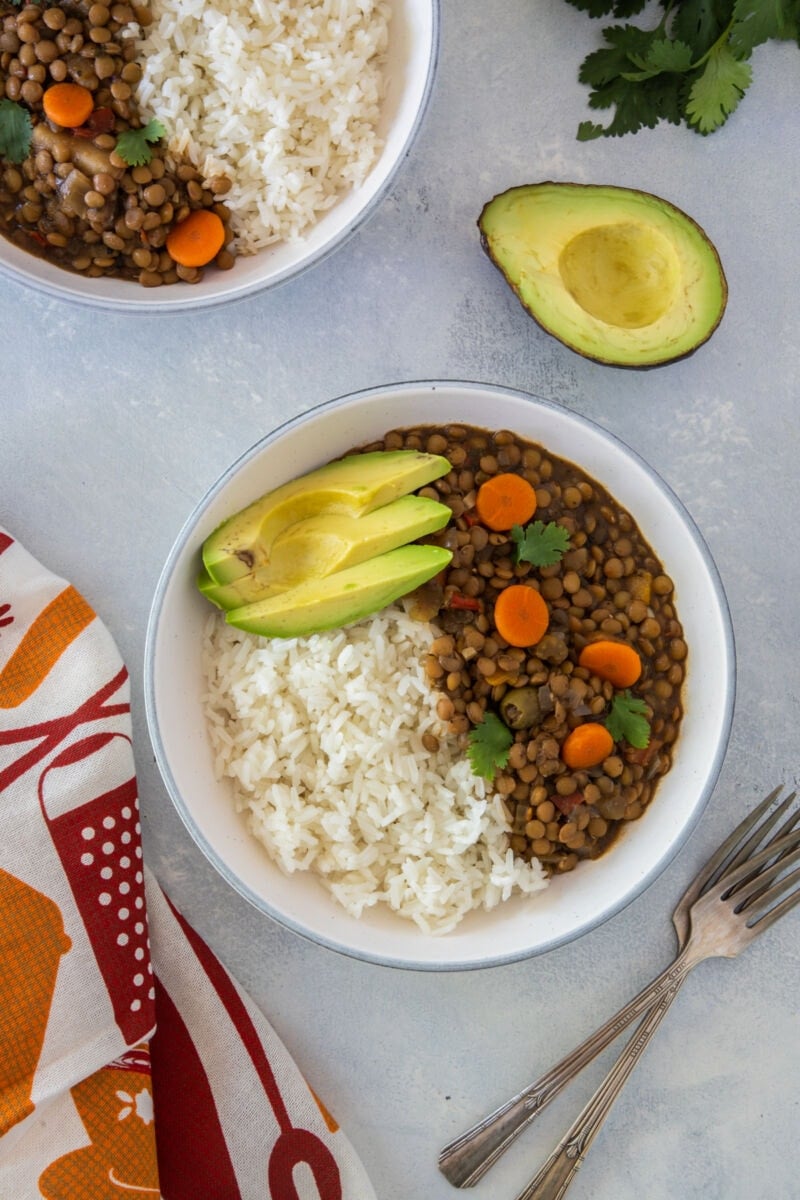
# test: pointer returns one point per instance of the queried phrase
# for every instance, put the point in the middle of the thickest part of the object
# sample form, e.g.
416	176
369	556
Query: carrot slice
197	239
67	104
586	745
504	501
521	615
617	662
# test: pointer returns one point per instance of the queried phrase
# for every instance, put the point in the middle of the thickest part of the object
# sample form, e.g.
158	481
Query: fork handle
466	1159
556	1175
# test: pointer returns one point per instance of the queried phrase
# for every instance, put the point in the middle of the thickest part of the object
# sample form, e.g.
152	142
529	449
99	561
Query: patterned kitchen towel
131	1063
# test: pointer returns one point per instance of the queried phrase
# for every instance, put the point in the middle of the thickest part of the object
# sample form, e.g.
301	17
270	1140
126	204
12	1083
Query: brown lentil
74	191
608	583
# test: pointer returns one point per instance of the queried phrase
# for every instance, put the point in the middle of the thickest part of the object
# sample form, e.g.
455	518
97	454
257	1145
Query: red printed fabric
131	1063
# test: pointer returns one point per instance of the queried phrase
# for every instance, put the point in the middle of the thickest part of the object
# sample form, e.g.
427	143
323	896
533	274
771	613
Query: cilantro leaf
699	23
716	92
791	25
16	129
133	144
627	719
617	8
489	745
589	130
691	68
625	44
540	544
639	103
662	55
756	21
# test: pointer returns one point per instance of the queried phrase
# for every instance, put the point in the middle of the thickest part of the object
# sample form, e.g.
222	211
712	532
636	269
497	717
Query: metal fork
466	1159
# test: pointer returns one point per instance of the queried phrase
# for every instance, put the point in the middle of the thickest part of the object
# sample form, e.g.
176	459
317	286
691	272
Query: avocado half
618	275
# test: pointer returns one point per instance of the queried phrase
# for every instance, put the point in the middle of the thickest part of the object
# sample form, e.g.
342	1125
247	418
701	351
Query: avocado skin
587	192
327	543
342	598
358	483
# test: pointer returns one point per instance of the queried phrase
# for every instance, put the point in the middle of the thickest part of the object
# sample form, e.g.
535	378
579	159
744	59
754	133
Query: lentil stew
74	199
607	586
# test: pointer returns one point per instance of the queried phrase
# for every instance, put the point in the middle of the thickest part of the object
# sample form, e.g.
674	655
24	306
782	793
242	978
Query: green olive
519	708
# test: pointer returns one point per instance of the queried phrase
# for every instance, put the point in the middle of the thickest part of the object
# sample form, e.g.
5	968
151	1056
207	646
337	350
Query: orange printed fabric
77	992
131	1063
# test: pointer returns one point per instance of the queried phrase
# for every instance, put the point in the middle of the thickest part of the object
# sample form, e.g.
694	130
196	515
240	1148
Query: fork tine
788	825
764	922
791	820
774	857
759	831
738	845
774	875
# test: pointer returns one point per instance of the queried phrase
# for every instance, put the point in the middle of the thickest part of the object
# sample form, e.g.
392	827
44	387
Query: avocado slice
620	276
330	542
256	586
344	597
356	484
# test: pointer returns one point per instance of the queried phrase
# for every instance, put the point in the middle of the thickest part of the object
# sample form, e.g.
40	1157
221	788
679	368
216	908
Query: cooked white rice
280	96
322	737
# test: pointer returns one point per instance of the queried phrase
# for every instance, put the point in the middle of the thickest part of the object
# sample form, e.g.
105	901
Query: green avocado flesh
350	486
256	586
620	276
321	545
344	597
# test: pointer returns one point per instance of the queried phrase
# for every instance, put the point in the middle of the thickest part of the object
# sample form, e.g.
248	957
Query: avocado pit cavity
625	275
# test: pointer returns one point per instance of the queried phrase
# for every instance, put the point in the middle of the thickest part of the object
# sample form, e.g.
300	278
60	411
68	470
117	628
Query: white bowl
573	903
412	57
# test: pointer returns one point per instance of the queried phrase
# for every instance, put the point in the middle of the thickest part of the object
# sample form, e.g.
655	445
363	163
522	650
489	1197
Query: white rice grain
281	97
322	740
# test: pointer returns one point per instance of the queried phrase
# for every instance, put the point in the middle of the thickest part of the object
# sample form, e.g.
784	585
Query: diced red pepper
100	120
35	236
642	756
565	804
470	603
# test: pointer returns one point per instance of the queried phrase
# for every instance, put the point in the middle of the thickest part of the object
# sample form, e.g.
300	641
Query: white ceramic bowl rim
254	274
456	953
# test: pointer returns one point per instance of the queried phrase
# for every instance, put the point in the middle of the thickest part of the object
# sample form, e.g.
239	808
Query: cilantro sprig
16	130
134	144
628	719
488	746
540	544
692	67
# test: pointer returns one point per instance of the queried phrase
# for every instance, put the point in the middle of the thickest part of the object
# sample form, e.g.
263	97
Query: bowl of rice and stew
171	154
439	675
